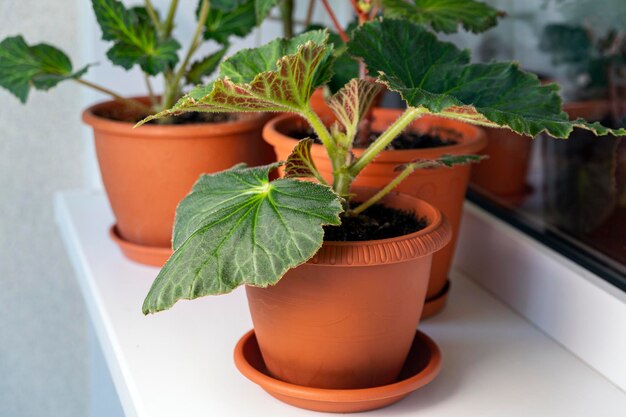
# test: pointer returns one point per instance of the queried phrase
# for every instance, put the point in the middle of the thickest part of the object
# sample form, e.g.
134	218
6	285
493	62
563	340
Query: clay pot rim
248	121
393	390
470	143
424	242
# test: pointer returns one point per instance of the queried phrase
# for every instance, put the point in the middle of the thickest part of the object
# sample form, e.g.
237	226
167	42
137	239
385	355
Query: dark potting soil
125	115
434	138
377	222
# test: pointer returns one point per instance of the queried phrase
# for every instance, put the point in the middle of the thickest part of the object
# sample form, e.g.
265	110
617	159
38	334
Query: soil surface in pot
434	138
122	114
377	222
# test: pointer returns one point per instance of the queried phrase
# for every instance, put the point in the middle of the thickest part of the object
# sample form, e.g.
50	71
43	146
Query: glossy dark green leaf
439	77
236	227
205	66
135	38
40	66
444	15
226	19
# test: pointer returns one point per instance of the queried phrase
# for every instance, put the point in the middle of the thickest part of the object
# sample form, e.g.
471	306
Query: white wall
43	353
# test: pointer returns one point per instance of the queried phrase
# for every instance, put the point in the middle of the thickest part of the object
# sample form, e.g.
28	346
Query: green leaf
279	76
344	66
263	7
230	18
205	66
351	103
444	15
437	76
236	227
40	66
300	164
135	38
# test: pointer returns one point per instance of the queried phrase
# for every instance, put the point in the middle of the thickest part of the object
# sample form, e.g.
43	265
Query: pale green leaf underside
40	66
444	15
300	163
438	76
351	103
279	76
236	227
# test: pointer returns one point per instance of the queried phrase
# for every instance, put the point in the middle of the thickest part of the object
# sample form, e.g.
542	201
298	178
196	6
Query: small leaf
444	15
230	18
135	38
205	67
41	66
278	77
351	103
300	164
236	227
437	76
263	7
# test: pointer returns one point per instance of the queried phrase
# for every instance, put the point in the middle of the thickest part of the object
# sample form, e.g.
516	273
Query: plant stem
174	84
322	132
408	170
153	99
169	20
309	13
154	17
385	139
133	103
342	34
286	14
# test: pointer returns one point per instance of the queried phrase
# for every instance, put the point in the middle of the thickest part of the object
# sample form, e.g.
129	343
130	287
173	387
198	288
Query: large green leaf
279	76
263	7
236	227
135	38
444	15
40	66
437	76
230	18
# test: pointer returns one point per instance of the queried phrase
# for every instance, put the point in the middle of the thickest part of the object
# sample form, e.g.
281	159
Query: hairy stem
130	102
286	14
342	34
408	170
168	26
385	139
154	17
173	89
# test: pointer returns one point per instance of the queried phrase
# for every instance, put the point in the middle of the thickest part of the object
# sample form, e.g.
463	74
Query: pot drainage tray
421	367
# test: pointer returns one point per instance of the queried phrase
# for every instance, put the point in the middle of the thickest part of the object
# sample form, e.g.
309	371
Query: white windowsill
179	363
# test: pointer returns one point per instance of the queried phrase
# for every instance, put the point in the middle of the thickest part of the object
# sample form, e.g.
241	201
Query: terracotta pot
503	174
346	318
444	188
148	170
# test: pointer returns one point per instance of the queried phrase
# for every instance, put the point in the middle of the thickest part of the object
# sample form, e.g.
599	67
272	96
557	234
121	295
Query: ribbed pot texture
148	170
346	318
444	188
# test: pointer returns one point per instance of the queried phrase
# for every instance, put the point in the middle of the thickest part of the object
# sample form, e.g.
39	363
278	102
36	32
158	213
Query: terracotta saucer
147	255
421	367
435	304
